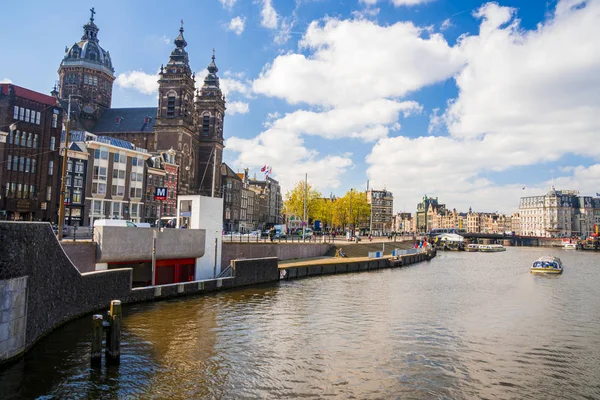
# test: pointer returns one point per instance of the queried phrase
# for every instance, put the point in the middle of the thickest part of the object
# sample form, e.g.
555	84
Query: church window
205	124
171	106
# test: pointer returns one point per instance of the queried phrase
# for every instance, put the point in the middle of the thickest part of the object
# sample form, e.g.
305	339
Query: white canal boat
547	265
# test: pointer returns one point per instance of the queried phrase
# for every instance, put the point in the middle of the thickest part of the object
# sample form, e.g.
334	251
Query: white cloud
138	80
286	153
237	25
285	29
366	13
396	3
228	4
525	98
269	17
356	61
367	121
5	80
446	24
237	107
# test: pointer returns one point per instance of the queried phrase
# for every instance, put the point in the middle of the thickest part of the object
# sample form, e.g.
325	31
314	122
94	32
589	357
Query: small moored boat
472	247
547	265
491	248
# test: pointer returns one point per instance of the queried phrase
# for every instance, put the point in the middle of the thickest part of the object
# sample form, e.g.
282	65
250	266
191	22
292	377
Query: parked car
308	233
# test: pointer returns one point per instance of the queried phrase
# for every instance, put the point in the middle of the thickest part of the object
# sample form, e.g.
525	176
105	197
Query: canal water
463	326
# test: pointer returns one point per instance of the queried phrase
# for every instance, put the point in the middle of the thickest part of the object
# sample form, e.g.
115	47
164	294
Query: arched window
35	141
29	140
205	124
17	137
171	106
10	137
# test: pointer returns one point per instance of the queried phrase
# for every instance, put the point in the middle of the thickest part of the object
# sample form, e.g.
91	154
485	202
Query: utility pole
304	222
351	221
63	183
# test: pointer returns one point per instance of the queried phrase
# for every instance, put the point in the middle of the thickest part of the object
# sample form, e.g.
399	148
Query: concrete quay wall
283	251
40	288
327	268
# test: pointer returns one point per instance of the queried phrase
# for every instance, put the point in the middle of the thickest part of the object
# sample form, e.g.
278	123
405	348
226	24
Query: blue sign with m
160	193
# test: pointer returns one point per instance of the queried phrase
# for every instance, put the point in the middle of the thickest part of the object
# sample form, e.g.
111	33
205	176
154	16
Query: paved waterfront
462	326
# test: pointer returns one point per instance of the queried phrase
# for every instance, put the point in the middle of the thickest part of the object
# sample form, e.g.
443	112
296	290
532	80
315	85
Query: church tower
210	112
174	126
86	73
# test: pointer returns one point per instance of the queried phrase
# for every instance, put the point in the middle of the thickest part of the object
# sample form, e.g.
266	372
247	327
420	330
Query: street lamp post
351	218
63	183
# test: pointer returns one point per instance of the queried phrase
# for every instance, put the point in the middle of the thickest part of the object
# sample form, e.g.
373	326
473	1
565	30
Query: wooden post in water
96	356
113	345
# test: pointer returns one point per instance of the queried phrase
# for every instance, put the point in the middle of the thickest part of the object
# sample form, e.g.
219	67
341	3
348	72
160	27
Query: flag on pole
597	194
264	168
523	187
267	172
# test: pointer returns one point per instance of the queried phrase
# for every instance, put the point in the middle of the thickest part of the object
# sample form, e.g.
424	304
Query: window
25	191
123	158
50	167
32	192
134	210
99	188
17	137
35	141
116	157
121	174
97	207
38	117
131	192
54	120
140	177
11	137
21	164
138	193
171	106
97	154
78	182
205	124
29	140
115	173
120	190
69	166
52	143
19	190
21	113
77	196
134	161
79	167
23	139
15	163
104	153
27	165
16	113
68	181
33	165
8	164
133	176
27	115
116	209
113	191
49	193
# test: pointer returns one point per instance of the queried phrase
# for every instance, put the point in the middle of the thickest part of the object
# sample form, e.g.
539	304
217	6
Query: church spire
212	80
179	57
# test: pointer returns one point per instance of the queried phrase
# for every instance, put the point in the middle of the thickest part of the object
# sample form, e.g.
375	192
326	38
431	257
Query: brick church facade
187	120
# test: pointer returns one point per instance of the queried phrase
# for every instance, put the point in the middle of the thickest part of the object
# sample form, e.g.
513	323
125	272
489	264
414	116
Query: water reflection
465	325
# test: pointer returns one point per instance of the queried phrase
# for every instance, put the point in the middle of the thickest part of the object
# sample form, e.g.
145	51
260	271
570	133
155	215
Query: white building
559	213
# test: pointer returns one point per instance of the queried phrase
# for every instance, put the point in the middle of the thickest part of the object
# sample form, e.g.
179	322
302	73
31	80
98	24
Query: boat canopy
450	237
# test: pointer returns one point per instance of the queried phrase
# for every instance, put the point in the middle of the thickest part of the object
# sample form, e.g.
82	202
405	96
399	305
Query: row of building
118	156
558	213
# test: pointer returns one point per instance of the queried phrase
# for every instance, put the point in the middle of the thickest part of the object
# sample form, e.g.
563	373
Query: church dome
88	51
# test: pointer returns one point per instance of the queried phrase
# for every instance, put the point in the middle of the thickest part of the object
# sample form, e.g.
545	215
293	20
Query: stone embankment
40	288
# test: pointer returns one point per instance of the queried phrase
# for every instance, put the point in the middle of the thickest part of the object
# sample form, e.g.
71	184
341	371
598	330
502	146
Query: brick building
30	169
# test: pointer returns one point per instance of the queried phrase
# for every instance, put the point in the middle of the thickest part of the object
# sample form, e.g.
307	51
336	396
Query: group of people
420	244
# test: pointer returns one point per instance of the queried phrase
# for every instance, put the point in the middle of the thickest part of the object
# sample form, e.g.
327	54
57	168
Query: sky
477	103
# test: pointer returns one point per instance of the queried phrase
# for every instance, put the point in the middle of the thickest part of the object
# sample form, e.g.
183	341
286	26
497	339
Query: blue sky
469	101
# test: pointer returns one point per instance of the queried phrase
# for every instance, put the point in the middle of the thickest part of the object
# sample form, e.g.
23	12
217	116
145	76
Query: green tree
294	201
352	210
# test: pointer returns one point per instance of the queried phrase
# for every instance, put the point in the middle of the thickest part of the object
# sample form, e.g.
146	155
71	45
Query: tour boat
472	247
547	265
491	248
569	246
